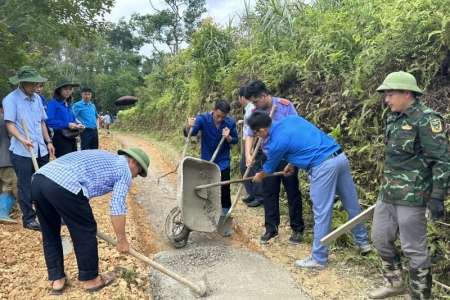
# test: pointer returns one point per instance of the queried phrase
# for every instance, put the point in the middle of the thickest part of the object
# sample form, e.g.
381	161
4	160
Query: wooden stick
30	149
199	290
205	186
347	226
217	149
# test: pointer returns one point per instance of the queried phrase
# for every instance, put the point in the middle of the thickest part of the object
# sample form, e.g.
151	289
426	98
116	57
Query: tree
171	26
29	29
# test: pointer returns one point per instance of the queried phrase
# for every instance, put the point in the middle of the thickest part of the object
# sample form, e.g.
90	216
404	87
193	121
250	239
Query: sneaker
296	237
364	249
309	263
255	203
33	226
248	199
267	236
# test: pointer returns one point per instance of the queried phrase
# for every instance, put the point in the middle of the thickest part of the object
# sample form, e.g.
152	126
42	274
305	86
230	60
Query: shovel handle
192	286
186	143
217	149
255	152
27	136
205	186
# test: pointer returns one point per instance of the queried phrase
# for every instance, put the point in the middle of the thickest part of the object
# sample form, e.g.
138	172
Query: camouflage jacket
416	159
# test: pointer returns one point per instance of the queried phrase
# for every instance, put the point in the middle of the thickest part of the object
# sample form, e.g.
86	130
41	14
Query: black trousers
271	194
225	189
23	166
63	145
54	202
253	189
89	139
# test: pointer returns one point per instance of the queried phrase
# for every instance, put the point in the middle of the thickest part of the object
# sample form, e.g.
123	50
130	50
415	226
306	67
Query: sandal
61	290
106	279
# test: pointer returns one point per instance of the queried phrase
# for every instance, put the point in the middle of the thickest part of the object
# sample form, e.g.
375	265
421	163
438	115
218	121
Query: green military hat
27	74
63	81
140	156
400	81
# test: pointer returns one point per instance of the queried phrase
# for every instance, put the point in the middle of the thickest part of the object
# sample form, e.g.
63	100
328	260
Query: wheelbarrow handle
205	186
196	288
186	143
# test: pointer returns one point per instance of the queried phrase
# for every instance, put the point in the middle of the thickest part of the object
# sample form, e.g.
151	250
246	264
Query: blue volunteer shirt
284	109
59	116
86	113
298	142
95	172
18	106
211	136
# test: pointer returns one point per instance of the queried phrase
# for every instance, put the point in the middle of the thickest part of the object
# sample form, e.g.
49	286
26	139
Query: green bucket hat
400	81
27	74
139	155
63	81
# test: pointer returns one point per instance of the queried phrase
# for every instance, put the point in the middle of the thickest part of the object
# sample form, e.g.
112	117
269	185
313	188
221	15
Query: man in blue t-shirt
214	125
306	147
87	114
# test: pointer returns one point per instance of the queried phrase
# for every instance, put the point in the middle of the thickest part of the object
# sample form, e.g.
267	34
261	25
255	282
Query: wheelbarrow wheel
176	231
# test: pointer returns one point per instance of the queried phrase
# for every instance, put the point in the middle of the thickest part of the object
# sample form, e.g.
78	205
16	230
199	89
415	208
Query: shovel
225	222
186	144
201	189
199	289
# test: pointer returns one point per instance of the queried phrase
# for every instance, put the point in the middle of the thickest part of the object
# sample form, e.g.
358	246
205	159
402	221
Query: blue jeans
333	176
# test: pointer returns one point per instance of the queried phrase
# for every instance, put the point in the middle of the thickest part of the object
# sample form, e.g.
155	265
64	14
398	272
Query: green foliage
171	26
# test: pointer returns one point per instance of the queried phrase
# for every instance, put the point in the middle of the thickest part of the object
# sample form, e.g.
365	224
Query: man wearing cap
86	112
25	104
63	188
415	180
61	117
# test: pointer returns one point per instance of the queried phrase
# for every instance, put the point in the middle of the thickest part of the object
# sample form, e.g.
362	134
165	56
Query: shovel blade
202	193
224	225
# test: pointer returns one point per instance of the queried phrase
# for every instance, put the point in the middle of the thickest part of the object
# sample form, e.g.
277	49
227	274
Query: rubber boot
392	272
6	204
224	213
420	281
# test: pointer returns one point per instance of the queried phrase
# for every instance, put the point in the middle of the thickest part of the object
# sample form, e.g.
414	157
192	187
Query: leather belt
334	154
90	128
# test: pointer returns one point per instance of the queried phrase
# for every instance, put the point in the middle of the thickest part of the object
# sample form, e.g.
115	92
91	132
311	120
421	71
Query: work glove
436	209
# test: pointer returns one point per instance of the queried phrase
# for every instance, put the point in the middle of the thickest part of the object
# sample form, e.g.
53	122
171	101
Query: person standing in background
86	112
254	189
60	116
24	104
257	93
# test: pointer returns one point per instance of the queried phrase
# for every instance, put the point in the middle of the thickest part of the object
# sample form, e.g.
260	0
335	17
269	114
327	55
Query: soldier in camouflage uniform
415	181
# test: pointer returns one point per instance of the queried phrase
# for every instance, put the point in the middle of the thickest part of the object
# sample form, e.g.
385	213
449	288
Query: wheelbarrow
198	198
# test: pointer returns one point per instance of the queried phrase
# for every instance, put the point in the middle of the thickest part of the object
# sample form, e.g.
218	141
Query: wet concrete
231	274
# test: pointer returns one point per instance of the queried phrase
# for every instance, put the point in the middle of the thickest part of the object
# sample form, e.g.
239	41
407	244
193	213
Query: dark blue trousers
225	189
253	189
271	194
54	202
89	139
23	166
